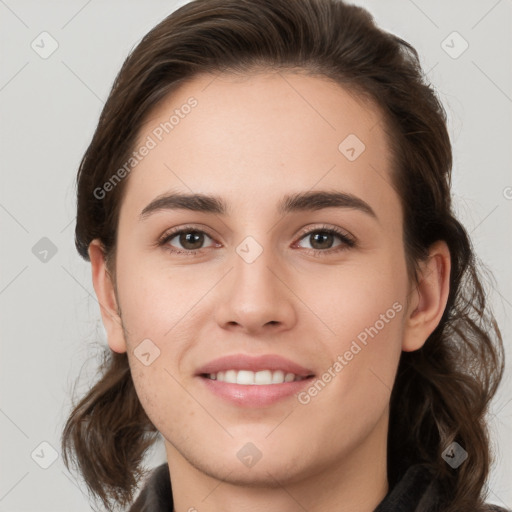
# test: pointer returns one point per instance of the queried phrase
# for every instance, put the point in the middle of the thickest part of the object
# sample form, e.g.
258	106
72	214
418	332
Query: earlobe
105	293
428	297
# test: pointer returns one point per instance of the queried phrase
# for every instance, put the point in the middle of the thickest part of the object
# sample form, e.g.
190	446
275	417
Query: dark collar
156	496
415	492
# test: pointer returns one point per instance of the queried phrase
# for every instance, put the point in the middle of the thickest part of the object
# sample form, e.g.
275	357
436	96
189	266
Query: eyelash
347	241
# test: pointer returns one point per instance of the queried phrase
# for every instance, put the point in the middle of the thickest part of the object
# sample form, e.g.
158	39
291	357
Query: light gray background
49	108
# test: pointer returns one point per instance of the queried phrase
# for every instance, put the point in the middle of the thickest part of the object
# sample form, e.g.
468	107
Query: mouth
250	378
254	381
250	369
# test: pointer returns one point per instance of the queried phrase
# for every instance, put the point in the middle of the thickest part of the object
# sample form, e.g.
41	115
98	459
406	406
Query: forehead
256	136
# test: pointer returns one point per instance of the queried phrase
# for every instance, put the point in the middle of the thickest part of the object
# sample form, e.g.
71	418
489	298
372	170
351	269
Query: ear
428	297
105	292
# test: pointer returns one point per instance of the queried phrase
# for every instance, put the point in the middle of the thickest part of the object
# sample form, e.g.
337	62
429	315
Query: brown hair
442	391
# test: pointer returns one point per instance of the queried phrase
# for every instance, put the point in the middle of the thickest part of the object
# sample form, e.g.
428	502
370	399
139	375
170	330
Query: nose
255	297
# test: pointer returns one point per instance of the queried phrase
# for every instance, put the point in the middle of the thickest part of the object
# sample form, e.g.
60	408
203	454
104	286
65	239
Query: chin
267	472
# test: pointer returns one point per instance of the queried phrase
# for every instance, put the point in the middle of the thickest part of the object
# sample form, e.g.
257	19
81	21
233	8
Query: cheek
158	312
358	297
165	398
361	312
353	386
154	300
159	333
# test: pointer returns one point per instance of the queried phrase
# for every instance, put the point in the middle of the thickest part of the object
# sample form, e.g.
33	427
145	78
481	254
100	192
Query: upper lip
255	364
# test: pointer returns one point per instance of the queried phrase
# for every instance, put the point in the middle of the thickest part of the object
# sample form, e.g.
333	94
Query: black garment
415	492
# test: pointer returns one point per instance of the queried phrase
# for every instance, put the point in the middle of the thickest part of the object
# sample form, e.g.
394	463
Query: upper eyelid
336	230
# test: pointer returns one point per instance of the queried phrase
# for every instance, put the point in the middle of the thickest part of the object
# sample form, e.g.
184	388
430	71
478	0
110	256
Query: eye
190	239
321	240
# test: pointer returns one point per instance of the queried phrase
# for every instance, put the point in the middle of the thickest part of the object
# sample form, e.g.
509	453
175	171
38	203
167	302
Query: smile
248	378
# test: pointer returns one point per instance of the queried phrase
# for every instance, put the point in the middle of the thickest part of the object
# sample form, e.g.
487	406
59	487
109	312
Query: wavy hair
442	391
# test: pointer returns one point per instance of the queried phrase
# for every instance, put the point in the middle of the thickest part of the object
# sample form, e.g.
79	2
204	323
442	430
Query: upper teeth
259	378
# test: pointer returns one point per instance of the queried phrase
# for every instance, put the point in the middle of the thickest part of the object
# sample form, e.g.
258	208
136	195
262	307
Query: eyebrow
302	201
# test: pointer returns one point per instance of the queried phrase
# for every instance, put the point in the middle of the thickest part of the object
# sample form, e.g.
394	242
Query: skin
251	140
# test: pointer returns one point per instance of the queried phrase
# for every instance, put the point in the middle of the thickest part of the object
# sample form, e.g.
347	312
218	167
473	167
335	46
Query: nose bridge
252	265
256	295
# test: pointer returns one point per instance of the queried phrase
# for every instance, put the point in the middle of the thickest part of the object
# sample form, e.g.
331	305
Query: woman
350	373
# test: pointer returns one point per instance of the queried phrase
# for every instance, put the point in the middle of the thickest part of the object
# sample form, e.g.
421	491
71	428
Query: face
296	268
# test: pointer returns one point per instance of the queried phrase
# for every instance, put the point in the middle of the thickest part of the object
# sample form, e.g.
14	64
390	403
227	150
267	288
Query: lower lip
255	395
